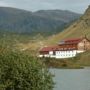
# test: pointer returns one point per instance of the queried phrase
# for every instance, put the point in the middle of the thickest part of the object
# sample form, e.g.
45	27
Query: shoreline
62	64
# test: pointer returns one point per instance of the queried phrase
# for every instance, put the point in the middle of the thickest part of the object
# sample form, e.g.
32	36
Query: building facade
66	48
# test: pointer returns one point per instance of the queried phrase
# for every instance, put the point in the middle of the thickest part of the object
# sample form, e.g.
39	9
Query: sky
78	6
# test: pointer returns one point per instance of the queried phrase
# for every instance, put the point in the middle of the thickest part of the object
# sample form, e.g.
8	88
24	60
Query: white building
66	49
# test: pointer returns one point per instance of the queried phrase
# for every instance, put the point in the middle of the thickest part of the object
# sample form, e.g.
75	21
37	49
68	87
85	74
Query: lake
71	79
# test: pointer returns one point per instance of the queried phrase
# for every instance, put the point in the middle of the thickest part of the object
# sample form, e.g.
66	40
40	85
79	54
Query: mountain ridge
58	13
21	21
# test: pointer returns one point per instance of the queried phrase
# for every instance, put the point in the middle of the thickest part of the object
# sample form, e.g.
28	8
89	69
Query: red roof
71	41
66	47
59	48
51	48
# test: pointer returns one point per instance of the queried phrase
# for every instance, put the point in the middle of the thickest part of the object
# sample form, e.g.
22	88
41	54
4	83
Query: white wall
80	51
62	54
66	54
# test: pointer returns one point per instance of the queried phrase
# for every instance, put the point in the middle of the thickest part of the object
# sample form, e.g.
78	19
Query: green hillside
77	30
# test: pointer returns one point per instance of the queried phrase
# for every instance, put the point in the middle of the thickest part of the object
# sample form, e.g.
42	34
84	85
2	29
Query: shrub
19	71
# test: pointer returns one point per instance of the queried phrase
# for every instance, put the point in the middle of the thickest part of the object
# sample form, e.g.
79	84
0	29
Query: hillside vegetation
20	71
21	42
77	30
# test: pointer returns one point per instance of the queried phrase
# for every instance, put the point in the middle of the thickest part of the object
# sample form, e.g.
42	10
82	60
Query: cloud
2	3
34	5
